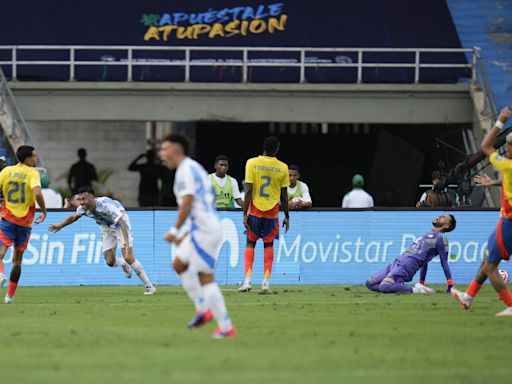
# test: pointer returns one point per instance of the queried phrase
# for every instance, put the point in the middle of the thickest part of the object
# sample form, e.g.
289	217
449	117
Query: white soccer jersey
192	179
107	213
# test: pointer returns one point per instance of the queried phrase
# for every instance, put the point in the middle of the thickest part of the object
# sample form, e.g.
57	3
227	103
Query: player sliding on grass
21	186
197	250
499	245
392	279
116	231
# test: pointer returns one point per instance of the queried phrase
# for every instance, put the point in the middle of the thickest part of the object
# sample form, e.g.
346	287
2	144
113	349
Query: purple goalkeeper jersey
424	249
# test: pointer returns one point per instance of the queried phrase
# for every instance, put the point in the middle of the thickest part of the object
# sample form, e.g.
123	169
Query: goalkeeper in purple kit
392	279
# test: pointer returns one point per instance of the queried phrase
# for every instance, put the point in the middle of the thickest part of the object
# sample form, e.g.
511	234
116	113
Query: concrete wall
109	145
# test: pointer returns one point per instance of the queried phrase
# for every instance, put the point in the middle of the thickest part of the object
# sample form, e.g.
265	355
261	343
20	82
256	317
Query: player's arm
284	206
69	220
486	181
489	139
183	212
442	249
247	201
236	192
38	194
306	198
423	274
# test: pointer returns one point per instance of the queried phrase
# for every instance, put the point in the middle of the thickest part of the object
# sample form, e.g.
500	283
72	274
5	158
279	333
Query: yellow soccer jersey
17	182
267	175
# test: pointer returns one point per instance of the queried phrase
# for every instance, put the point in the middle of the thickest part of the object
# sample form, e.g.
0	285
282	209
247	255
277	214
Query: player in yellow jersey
266	183
21	187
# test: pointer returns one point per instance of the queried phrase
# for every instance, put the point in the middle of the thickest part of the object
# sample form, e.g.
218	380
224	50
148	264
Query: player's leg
392	285
17	258
217	305
190	283
465	299
109	244
137	266
252	237
3	279
374	281
270	232
500	286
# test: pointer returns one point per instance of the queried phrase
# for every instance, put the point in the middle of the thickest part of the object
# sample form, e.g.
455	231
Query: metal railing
480	77
11	120
304	59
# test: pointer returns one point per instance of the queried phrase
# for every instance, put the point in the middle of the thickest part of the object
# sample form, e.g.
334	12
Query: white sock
468	298
215	302
191	285
120	262
247	280
266	282
139	270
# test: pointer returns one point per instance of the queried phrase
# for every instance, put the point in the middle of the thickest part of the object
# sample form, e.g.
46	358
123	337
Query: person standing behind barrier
357	197
149	175
82	173
266	185
225	186
298	191
52	199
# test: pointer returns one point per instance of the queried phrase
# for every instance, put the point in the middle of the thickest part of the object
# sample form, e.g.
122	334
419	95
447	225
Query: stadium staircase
14	131
487	24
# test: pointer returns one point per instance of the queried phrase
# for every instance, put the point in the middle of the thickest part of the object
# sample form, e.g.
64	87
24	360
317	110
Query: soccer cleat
505	312
8	299
220	334
459	296
3	280
265	290
127	271
424	289
150	290
200	319
246	287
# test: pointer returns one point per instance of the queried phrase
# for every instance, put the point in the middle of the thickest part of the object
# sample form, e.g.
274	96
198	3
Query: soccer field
302	334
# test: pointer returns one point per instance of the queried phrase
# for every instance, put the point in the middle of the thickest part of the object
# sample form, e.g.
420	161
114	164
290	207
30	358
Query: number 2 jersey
267	176
17	183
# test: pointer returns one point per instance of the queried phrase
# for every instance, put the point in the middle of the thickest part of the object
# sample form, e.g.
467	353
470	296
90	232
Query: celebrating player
392	278
198	249
21	187
116	231
499	245
266	183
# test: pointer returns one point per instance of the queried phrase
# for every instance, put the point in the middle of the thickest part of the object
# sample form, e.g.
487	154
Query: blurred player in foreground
21	186
197	250
392	279
266	184
116	232
500	242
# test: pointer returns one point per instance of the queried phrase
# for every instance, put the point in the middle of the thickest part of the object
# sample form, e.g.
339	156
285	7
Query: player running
21	187
266	184
392	279
116	231
197	250
499	245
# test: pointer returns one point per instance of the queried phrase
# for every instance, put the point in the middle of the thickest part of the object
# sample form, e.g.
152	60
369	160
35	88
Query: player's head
445	223
508	141
294	173
72	202
85	197
436	177
27	155
271	146
221	165
173	149
82	153
358	181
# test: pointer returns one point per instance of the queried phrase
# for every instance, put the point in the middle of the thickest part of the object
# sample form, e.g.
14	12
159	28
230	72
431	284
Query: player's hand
54	228
483	181
504	115
170	238
40	218
286	224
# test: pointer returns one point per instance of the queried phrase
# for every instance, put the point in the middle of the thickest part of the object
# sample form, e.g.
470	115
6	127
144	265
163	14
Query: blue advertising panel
322	247
263	23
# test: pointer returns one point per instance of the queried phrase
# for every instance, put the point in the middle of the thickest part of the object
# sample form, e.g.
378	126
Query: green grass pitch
302	334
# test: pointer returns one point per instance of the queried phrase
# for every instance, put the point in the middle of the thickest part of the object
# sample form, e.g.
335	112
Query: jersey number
17	193
267	180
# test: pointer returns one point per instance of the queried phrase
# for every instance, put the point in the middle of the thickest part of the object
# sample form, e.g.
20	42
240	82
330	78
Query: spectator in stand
357	197
298	191
82	173
167	179
149	175
438	198
225	186
52	199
